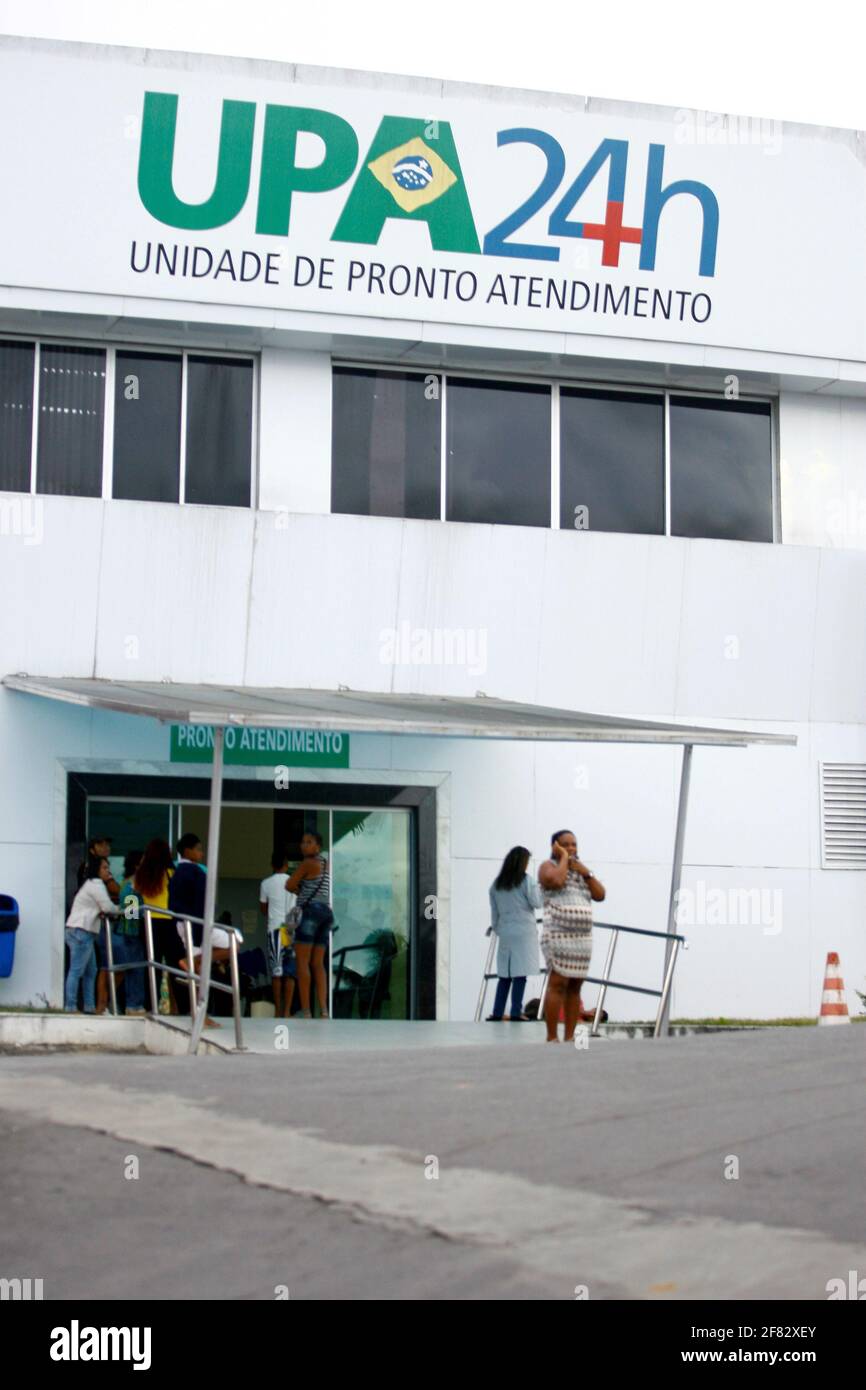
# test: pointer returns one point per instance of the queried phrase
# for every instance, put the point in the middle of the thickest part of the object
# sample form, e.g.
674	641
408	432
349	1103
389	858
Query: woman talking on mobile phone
569	889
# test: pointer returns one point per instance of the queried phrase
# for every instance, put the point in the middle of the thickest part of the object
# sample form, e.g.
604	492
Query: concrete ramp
52	1032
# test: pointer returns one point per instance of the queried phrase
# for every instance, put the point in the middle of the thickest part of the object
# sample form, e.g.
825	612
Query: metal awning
345	711
380	712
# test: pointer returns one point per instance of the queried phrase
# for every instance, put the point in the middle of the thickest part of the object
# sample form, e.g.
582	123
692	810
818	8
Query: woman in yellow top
151	883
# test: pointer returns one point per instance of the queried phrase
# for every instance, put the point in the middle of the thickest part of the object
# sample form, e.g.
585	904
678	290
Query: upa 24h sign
189	179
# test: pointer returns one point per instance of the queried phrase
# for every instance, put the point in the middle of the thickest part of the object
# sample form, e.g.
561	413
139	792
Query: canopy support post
213	853
676	875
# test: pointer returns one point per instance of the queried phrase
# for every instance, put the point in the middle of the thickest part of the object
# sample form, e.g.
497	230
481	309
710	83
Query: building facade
316	379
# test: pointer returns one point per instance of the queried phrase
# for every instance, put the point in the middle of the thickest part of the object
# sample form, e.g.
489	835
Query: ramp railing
663	995
189	977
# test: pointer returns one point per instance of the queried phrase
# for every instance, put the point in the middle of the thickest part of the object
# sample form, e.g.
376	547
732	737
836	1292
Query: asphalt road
559	1172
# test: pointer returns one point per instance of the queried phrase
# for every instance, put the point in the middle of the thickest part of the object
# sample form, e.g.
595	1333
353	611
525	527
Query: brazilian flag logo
411	171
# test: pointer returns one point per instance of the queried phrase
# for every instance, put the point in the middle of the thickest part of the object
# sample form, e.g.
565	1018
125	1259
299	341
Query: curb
32	1032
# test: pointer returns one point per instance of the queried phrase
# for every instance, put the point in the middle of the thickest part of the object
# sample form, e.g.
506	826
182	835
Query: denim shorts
312	929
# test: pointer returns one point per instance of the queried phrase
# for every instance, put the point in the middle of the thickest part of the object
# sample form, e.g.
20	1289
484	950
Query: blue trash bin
8	928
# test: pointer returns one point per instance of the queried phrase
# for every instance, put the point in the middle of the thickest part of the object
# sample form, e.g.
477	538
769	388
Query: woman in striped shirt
311	881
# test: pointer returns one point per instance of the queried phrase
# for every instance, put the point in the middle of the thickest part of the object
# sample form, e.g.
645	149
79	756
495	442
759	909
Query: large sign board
207	182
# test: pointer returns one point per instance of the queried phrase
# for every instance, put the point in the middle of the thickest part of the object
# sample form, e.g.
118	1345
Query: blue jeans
125	950
82	965
517	985
312	930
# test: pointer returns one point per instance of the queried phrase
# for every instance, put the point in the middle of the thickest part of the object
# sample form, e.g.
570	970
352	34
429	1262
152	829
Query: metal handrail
189	976
490	974
639	931
605	981
482	993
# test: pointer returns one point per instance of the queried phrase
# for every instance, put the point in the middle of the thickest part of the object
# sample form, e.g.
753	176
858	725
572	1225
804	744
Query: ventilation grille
843	815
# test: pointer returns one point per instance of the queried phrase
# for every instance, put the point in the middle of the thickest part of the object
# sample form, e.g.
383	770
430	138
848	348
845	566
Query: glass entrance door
371	899
130	825
371	884
249	835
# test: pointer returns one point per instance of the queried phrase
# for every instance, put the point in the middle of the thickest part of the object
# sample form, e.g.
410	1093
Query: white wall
823	470
295	430
703	631
225	595
35	735
665	627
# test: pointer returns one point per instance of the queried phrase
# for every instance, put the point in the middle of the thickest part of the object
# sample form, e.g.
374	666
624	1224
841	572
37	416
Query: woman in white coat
514	900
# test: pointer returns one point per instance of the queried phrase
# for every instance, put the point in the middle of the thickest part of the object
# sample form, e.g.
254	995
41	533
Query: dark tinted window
71	409
219	424
721	470
386	443
147	427
612	462
498	457
16	415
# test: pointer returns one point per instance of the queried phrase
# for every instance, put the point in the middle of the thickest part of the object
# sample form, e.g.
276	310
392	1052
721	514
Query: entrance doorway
373	889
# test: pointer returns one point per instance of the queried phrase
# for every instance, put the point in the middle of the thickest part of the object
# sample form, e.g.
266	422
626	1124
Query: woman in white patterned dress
570	889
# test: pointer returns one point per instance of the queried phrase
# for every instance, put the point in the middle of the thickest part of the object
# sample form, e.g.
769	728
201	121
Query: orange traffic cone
833	1006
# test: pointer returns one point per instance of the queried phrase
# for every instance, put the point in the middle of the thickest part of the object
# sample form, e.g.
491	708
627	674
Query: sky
747	57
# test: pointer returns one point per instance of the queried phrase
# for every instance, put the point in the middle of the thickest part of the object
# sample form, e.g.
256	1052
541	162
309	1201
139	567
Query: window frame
555	383
495	380
141	349
50	341
26	340
655	395
395	370
775	497
252	358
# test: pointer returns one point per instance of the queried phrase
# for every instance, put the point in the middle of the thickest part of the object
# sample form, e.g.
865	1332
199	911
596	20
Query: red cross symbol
611	233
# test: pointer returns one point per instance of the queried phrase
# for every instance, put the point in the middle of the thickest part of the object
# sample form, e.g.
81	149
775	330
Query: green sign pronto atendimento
193	743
